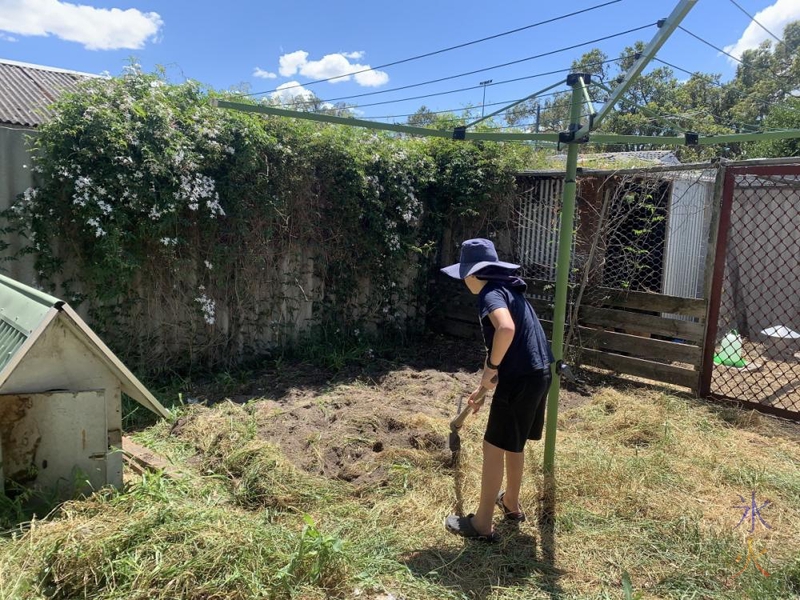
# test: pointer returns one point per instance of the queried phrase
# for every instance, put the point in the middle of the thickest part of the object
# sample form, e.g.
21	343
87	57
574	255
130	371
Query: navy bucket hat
476	254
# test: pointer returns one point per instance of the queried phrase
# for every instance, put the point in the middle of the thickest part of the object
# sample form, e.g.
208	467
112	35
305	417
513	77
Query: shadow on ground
477	570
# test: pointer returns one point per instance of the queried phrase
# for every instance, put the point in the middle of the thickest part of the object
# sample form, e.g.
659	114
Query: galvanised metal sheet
10	341
687	236
22	309
541	218
26	91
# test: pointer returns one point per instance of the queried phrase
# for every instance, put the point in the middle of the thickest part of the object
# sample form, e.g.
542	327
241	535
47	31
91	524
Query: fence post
715	271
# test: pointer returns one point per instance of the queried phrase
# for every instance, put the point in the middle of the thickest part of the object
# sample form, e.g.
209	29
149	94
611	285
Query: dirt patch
356	425
355	432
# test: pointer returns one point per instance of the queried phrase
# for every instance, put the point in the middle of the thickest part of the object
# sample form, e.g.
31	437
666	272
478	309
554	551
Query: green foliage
783	116
316	554
197	236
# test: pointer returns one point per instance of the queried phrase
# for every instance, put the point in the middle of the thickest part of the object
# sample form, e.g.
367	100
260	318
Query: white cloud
291	63
331	65
95	28
262	74
7	38
295	91
774	18
371	78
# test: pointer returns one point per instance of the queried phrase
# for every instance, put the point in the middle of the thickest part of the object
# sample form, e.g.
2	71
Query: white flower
209	266
197	187
169	241
82	182
207	305
98	231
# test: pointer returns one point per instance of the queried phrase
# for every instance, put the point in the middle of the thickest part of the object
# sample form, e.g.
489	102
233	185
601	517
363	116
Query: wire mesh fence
754	340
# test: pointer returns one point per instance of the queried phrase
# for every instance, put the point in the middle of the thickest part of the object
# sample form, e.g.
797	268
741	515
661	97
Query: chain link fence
754	334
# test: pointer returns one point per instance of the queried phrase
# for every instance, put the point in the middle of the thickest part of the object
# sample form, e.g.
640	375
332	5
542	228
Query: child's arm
503	336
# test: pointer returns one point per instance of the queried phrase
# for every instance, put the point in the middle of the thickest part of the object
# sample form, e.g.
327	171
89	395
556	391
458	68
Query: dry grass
646	484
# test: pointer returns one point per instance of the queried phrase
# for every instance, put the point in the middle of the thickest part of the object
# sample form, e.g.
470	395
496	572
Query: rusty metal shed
60	396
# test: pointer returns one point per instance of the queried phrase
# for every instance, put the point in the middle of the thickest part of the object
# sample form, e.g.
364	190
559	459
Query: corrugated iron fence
752	349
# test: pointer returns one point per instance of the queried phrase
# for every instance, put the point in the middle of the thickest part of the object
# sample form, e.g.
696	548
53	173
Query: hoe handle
456	423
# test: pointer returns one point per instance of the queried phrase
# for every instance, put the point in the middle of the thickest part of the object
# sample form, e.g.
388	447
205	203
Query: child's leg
491	480
515	461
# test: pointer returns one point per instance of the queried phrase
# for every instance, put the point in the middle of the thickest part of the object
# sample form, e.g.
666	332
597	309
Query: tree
766	77
657	104
783	116
423	117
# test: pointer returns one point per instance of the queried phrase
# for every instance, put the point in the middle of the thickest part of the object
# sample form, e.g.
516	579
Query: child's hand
476	399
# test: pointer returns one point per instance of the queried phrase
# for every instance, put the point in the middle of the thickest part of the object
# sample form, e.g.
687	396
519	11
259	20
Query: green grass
645	489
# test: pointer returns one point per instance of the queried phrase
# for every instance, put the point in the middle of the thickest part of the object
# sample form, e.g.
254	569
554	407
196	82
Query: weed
318	559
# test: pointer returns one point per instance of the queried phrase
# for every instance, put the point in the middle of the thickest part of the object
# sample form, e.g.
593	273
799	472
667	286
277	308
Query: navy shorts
517	411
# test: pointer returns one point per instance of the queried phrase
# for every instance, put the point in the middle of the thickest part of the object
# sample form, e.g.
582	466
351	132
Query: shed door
55	440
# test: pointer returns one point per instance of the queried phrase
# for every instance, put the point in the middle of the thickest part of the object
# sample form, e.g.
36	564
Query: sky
279	48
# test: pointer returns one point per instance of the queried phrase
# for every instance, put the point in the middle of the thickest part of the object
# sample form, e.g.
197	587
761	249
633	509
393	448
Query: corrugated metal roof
22	309
658	157
27	90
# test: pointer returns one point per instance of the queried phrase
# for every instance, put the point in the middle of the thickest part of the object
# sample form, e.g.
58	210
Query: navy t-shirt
529	351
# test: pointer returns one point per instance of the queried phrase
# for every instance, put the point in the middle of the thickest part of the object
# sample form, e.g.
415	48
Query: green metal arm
408	129
669	25
531	97
597	138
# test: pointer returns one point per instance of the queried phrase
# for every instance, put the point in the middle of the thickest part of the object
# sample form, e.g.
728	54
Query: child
517	364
